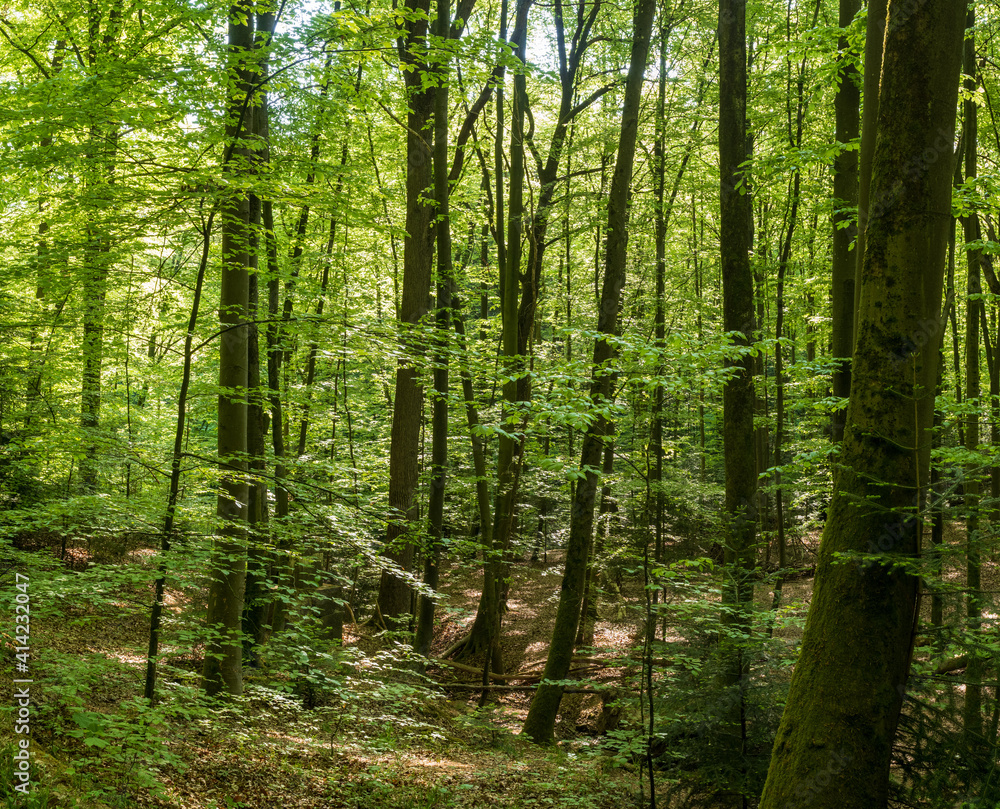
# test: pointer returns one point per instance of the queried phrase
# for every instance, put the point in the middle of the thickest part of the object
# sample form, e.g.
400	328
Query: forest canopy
611	388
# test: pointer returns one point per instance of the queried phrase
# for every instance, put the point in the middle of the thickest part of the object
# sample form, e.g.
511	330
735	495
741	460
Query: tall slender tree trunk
313	350
256	606
418	253
43	272
663	209
847	108
281	567
156	612
848	685
972	708
659	317
738	394
539	725
223	670
439	424
486	626
795	127
548	170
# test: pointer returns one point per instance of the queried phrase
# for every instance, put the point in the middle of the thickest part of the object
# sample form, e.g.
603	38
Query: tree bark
97	254
486	626
874	36
738	394
439	424
156	613
848	686
972	707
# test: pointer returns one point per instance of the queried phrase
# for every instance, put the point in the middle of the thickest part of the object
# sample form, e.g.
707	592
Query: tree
101	156
439	451
418	255
848	686
540	722
845	196
223	670
738	394
975	315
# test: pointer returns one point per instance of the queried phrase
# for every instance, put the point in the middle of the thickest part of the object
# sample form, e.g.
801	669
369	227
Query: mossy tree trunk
874	35
835	739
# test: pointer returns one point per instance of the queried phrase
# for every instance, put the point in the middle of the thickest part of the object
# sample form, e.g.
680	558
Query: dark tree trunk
486	627
223	669
972	707
156	613
845	198
738	394
439	424
418	254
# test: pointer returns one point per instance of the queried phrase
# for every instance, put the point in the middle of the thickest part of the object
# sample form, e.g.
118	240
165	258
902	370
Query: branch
590	100
470	120
21	48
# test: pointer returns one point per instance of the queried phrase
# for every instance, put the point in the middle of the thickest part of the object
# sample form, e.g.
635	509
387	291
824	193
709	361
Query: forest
499	403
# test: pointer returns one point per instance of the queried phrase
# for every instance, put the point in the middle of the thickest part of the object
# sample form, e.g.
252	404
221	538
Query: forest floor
374	734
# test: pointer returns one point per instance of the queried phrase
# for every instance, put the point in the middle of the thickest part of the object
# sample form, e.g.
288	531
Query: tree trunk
846	105
223	670
539	725
97	257
659	317
738	394
313	350
972	707
874	37
255	605
156	613
439	425
486	626
848	686
418	253
784	257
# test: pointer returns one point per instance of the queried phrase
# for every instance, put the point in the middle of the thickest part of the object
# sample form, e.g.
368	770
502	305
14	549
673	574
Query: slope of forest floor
365	730
374	735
